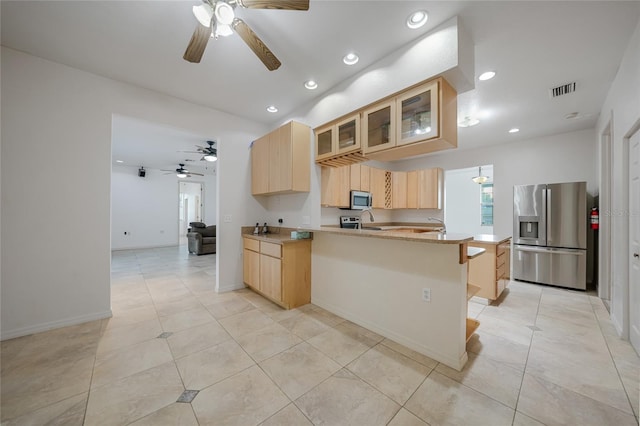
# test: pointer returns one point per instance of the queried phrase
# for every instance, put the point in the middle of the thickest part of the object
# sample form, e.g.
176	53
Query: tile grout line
526	362
615	364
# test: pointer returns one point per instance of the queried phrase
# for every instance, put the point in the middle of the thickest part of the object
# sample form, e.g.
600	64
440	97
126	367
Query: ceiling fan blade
259	48
197	174
191	152
198	43
275	4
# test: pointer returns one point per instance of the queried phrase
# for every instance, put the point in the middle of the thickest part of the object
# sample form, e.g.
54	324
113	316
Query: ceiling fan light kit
181	172
217	18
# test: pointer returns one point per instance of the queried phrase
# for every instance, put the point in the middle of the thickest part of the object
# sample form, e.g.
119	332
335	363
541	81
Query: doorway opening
604	278
468	205
190	207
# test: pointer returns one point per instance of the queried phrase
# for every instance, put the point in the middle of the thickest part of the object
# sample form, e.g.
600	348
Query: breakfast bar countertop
433	237
489	239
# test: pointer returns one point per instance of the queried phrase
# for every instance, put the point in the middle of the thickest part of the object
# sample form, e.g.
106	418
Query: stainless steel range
349	222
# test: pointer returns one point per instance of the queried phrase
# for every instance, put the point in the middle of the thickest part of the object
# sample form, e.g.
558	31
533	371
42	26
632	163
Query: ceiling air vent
565	89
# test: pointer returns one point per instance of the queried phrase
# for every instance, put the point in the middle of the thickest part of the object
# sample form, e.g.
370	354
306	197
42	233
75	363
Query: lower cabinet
490	271
280	272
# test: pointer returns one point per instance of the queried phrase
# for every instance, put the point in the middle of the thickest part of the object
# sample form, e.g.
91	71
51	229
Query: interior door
634	240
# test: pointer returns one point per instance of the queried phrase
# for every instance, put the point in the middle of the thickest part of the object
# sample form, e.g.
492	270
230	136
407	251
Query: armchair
201	238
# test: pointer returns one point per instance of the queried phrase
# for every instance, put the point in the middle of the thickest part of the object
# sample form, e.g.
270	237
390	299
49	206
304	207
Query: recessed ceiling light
311	84
487	75
417	19
350	58
119	161
468	122
272	108
514	130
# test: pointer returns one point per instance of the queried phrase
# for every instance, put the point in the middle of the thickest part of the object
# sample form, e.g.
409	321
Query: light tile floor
541	356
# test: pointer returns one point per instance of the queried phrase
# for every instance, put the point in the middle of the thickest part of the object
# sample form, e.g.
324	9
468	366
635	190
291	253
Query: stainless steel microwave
360	200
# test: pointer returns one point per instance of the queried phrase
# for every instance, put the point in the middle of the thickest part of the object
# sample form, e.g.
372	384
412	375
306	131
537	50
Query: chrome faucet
444	227
368	209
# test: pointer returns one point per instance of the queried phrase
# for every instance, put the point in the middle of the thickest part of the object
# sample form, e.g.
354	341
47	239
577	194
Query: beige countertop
489	239
474	252
275	236
389	233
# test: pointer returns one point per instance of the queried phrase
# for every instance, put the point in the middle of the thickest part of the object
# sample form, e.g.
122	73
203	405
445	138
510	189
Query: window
486	204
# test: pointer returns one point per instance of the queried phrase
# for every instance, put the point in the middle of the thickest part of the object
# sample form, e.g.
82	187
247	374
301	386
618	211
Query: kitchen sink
412	230
405	229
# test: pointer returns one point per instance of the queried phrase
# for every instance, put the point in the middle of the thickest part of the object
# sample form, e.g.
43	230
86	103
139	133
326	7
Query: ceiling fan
209	153
181	172
217	18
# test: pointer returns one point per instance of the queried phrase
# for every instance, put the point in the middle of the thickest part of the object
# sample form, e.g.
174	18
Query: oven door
360	200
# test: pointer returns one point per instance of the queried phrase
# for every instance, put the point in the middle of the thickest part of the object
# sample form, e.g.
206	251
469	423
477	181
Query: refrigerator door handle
547	210
578	252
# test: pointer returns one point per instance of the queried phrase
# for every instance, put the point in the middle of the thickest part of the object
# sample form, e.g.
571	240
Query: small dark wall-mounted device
142	172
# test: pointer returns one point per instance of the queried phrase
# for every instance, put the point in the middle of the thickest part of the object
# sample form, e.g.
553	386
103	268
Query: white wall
564	157
147	208
56	124
622	108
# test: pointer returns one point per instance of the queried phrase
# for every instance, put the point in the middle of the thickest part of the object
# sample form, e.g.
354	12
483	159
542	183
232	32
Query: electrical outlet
227	218
426	294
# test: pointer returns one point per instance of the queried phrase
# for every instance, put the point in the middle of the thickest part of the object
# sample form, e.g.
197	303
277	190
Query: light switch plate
426	294
227	218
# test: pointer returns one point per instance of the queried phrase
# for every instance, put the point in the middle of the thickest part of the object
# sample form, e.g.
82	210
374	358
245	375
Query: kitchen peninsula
409	286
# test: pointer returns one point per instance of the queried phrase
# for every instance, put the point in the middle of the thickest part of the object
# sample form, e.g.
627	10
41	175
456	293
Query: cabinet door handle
636	255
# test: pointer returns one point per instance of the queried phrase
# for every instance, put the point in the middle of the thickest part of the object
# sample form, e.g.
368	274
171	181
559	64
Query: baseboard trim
25	331
229	287
143	247
454	363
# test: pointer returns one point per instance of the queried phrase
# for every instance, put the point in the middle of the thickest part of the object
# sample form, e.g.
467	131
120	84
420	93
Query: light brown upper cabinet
417	114
260	165
338	138
424	189
335	183
425	121
378	127
360	176
280	161
399	190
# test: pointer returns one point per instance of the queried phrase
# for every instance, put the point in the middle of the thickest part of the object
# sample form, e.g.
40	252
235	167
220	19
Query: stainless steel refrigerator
550	234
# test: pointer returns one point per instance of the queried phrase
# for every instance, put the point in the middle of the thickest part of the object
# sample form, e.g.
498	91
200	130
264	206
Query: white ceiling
532	45
141	143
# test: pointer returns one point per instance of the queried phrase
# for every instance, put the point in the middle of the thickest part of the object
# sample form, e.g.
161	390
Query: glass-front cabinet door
348	131
378	127
417	114
325	142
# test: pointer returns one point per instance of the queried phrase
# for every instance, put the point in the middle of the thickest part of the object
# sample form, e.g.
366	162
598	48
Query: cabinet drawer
501	259
500	286
500	272
270	249
502	248
253	245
